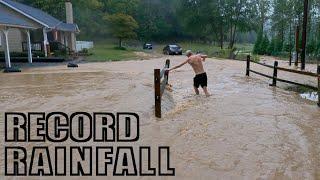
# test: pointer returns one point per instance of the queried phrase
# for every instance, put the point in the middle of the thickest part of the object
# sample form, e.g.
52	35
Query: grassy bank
103	52
241	50
106	51
205	48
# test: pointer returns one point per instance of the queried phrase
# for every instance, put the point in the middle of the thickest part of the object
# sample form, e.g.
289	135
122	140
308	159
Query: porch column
73	41
6	48
45	42
29	46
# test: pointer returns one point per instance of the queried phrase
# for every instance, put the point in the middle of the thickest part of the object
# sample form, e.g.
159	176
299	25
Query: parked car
172	49
147	46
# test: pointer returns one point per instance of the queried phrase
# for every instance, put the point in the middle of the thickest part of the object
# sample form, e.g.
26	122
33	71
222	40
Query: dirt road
245	130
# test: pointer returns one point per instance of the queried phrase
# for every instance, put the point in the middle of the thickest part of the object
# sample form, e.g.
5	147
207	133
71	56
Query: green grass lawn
205	48
103	52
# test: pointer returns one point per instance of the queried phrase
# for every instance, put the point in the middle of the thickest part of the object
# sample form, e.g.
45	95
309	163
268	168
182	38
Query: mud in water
245	130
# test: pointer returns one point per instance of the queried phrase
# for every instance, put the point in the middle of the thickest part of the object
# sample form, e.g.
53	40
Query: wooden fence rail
275	78
160	86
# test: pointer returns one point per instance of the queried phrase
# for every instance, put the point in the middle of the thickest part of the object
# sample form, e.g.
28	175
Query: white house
25	28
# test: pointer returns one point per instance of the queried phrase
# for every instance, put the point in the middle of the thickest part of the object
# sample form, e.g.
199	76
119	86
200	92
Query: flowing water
245	130
312	96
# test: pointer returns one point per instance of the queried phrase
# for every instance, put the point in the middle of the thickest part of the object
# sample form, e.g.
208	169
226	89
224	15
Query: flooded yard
245	130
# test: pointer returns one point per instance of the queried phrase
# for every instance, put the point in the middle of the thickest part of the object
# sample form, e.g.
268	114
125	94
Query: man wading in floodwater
201	76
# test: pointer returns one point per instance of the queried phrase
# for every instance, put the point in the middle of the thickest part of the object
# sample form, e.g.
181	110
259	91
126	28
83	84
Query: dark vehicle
172	49
147	46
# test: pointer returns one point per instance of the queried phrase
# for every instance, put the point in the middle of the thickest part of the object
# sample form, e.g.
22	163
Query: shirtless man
201	76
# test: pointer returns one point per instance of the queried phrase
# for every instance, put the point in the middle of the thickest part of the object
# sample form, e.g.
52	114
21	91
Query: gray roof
11	20
39	16
67	27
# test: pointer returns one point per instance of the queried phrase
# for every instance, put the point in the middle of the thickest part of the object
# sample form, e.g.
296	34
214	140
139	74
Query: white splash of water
312	96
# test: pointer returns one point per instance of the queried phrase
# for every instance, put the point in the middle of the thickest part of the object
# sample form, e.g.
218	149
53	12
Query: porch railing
35	46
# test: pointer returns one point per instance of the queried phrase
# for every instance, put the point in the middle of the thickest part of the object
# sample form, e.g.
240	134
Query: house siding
16	35
15	40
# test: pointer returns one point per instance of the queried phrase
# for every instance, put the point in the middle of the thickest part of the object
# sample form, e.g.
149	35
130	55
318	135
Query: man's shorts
200	80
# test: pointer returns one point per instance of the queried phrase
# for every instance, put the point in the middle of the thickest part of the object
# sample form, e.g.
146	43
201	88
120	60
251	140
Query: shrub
264	46
287	47
60	53
278	46
311	47
257	45
120	48
84	50
317	51
270	49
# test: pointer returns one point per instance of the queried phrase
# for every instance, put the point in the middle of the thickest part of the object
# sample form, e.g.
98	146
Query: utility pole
290	46
304	34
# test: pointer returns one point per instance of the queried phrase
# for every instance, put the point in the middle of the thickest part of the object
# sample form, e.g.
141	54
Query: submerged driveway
245	130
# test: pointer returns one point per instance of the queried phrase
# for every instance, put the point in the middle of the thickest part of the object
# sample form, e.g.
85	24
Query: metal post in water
275	74
248	66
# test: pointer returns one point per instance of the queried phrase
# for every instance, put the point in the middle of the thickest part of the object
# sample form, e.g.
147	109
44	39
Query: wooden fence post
319	85
157	93
248	66
275	74
167	66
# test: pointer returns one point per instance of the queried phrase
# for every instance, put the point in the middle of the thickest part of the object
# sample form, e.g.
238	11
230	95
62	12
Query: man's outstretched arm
204	57
179	66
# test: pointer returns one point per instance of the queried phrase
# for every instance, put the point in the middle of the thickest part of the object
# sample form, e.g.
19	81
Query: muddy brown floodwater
245	130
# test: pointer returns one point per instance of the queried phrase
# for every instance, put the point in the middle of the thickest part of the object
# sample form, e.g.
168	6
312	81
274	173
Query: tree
53	7
278	46
263	8
261	45
317	51
264	45
257	45
271	48
157	20
122	26
239	14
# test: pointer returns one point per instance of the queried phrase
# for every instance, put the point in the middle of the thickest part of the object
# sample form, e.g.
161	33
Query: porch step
35	59
11	70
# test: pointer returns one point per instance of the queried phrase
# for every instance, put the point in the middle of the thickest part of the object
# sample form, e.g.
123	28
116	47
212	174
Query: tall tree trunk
232	36
120	42
221	36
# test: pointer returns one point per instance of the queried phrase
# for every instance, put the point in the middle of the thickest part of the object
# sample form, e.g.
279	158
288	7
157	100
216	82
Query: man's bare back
195	62
200	79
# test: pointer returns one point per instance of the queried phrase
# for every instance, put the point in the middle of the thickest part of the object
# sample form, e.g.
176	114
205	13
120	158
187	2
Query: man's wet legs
196	90
205	90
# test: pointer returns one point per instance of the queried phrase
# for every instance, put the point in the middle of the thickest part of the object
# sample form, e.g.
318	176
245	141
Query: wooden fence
275	78
160	86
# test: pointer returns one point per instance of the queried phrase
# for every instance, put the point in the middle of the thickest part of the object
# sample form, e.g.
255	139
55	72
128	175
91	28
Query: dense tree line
277	35
220	21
